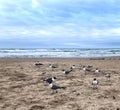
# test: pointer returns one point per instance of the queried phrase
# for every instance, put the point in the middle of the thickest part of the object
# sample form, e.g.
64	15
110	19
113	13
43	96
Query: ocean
58	53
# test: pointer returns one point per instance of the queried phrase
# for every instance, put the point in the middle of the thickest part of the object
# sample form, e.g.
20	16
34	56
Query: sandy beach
22	86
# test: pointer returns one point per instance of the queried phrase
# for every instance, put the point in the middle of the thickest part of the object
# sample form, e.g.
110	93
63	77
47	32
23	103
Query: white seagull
108	76
95	83
97	71
52	67
86	69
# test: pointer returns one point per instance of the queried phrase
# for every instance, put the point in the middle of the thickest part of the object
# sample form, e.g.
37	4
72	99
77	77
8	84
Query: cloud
35	3
69	22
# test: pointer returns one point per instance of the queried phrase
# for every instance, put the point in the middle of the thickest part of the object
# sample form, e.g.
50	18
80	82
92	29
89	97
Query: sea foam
58	53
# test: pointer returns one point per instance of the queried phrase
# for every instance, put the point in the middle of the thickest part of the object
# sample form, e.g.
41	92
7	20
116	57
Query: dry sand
22	86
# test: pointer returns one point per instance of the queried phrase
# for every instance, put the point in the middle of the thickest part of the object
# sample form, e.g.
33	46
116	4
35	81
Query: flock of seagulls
86	69
97	71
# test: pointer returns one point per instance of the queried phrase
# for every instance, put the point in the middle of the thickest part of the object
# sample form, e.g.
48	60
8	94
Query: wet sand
22	86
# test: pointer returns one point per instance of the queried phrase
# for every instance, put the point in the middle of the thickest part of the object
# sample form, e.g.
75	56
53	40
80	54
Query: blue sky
60	23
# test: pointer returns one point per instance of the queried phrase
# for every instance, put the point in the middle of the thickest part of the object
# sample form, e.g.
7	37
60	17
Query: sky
59	23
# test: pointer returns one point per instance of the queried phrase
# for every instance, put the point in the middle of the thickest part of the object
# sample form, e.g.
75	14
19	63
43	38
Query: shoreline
89	58
60	53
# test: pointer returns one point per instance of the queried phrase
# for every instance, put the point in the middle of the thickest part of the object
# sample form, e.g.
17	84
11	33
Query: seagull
55	87
108	75
66	71
38	63
50	80
89	66
73	67
86	69
97	71
95	83
52	67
